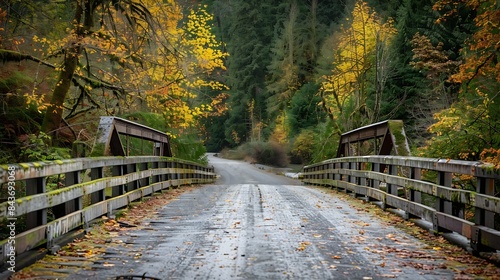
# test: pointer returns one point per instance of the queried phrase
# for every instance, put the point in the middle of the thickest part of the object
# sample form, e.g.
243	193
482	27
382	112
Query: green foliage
471	124
97	150
405	93
406	89
303	147
269	153
16	119
236	128
248	30
38	148
136	146
304	111
189	147
273	71
213	136
14	81
326	141
465	130
411	96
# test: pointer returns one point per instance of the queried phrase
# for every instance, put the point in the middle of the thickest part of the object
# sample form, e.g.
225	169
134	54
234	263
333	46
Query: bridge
244	224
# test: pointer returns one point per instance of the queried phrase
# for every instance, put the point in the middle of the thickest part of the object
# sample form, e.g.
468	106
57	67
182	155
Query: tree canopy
231	72
117	57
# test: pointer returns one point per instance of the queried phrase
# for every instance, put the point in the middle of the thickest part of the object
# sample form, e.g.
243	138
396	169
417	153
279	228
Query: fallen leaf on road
303	245
391	237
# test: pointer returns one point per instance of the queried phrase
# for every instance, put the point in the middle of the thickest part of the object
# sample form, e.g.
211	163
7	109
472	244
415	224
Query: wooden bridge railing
435	190
84	189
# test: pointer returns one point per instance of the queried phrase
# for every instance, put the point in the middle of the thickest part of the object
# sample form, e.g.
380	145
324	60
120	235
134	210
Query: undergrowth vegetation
269	153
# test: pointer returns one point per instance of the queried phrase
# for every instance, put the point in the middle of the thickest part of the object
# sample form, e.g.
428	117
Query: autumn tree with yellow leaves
361	48
122	56
471	125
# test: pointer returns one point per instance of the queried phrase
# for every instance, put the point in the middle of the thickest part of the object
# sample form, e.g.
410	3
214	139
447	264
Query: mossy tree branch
13	56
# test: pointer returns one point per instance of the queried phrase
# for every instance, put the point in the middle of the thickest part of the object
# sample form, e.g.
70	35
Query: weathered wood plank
455	200
177	169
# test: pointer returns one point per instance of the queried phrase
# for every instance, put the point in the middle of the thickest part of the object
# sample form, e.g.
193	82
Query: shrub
269	153
38	148
272	153
303	147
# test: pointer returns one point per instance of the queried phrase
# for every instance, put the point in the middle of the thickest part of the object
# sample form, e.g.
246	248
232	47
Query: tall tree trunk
53	116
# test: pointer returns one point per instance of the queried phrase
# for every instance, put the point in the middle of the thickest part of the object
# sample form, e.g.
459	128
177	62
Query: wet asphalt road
253	224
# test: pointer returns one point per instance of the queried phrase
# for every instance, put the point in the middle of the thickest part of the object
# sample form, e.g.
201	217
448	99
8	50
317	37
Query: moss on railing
397	130
46	200
98	150
448	208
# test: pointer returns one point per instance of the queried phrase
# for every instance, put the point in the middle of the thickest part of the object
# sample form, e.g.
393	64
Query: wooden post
415	196
443	205
116	170
39	217
155	178
63	209
97	173
391	188
375	183
145	181
483	217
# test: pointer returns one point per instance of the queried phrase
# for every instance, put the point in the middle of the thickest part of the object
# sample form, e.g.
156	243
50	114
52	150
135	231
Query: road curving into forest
254	224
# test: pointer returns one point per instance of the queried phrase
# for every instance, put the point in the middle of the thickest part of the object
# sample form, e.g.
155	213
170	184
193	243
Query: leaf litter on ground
464	264
103	234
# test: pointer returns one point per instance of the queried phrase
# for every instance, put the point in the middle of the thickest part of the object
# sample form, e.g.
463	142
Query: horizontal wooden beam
173	172
400	186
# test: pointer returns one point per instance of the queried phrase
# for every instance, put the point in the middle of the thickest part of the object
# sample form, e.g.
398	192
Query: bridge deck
254	225
253	231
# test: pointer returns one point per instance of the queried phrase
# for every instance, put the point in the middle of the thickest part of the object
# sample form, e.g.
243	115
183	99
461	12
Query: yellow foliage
492	156
481	58
37	100
354	52
280	134
469	126
177	78
164	67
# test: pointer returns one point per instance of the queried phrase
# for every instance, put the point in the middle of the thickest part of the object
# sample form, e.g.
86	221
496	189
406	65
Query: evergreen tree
284	67
273	50
304	111
413	97
302	27
249	31
405	90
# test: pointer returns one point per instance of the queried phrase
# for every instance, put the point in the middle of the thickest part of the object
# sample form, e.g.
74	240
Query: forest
278	81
